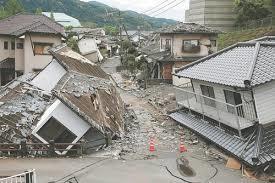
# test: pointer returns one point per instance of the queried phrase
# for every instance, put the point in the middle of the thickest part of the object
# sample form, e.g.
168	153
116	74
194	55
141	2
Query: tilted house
230	100
24	43
69	100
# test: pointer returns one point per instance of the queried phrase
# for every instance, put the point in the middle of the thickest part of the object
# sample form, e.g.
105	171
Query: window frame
6	45
230	108
215	43
45	44
13	45
19	47
194	49
209	95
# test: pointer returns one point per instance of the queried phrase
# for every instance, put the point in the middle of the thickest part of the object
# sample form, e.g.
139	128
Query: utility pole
139	44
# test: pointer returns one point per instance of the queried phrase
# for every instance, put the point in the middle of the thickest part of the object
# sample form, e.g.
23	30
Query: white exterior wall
67	118
38	61
219	92
9	53
264	96
49	77
19	56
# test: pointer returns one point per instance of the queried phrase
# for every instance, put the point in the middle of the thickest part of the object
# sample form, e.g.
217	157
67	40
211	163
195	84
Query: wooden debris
233	164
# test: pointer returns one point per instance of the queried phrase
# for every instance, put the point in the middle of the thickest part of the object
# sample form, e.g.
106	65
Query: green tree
250	10
13	7
111	30
72	43
38	11
89	24
3	13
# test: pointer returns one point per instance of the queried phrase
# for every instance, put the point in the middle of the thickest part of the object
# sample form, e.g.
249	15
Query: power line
162	7
155	6
169	8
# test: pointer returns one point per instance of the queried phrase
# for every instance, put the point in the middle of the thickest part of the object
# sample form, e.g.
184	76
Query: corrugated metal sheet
94	99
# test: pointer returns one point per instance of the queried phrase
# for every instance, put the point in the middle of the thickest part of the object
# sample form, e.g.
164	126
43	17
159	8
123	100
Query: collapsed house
230	100
69	100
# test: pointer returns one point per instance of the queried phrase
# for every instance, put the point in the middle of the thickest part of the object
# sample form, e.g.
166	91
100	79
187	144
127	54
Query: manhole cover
184	168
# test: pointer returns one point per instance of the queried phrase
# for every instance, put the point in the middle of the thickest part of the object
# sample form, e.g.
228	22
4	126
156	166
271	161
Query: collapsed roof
21	108
84	88
20	24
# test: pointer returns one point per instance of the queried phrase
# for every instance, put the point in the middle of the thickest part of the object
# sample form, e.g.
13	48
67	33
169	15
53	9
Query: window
42	48
168	44
191	46
208	91
13	45
19	45
213	43
6	45
234	99
54	130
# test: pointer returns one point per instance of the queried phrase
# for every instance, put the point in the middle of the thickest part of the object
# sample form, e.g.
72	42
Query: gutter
258	144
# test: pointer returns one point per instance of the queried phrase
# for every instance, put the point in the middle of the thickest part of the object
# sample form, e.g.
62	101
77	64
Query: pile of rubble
144	127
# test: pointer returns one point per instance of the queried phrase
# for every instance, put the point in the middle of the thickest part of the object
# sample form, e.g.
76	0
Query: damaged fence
41	149
26	177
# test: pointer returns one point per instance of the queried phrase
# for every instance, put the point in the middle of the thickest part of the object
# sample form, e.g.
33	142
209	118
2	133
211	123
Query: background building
64	19
217	14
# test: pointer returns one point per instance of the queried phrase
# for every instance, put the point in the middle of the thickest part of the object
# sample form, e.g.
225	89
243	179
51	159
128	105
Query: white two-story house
24	43
231	100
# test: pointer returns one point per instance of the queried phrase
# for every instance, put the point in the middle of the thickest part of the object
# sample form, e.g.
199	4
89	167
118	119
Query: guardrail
26	177
235	116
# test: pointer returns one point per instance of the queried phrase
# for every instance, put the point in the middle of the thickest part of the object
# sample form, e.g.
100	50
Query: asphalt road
101	170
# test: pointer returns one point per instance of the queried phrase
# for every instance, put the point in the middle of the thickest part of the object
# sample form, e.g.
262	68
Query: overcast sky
140	6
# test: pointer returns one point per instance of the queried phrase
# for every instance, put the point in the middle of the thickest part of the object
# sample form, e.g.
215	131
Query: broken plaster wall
49	77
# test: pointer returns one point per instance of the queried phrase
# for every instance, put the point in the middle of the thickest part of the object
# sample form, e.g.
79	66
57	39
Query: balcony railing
235	116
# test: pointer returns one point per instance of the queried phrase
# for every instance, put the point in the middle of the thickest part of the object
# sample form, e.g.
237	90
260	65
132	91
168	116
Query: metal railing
236	116
26	177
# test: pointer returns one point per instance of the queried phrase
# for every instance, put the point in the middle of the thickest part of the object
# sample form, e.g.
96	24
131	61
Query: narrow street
129	159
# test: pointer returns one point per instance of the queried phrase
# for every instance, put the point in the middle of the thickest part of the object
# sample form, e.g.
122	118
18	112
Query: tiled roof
19	24
150	48
245	150
188	28
251	62
264	39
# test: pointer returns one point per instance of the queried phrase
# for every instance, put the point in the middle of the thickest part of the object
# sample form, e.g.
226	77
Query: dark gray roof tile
253	61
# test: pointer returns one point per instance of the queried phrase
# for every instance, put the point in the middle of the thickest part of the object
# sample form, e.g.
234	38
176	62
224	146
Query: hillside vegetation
231	38
94	13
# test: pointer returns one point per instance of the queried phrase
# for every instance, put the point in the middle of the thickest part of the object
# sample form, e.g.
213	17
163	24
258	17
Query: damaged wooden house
70	100
230	100
178	45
